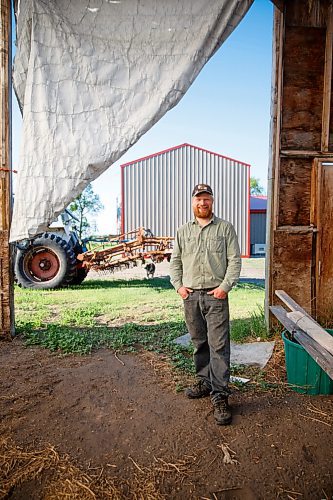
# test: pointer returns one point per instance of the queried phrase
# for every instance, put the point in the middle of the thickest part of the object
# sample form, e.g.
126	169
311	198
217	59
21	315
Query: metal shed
258	214
156	190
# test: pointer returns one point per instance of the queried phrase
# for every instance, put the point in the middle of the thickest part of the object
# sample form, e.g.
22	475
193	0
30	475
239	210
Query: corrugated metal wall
156	191
258	228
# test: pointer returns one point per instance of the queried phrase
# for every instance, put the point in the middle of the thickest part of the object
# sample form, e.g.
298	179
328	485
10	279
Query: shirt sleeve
234	262
176	265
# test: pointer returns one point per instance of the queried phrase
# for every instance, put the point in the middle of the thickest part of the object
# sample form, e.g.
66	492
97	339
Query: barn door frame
317	206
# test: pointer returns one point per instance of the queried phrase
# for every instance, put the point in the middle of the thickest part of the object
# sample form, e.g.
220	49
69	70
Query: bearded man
204	266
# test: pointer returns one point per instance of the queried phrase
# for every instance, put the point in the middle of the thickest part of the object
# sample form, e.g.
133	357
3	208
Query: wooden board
323	358
303	81
295	188
315	331
6	280
307	13
6	296
290	302
325	244
325	133
291	266
330	137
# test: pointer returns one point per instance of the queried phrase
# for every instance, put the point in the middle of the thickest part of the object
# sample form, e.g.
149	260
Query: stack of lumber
317	342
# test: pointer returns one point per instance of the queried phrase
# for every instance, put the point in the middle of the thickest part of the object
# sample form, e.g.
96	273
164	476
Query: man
205	265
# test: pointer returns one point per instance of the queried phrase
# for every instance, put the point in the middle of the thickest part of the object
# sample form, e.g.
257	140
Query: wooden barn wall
304	60
295	192
330	140
301	106
311	13
297	268
6	281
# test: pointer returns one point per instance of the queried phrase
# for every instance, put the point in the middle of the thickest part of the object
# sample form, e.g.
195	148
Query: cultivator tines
128	250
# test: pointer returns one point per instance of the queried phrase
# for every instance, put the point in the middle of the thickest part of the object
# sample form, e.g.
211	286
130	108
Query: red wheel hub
43	265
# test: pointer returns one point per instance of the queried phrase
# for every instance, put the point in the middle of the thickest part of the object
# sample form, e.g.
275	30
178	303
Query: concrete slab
249	353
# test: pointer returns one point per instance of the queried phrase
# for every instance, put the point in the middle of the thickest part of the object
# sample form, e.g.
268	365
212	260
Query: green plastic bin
303	374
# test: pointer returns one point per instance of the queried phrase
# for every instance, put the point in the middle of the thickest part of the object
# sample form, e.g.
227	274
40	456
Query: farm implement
58	258
127	250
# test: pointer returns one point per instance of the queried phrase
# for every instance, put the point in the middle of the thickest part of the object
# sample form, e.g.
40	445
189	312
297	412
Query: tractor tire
79	276
48	262
80	271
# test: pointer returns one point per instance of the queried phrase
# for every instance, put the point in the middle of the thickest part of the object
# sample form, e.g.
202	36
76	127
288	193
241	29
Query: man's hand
218	293
184	292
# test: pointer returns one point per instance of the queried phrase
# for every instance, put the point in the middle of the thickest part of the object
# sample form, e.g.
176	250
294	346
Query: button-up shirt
205	257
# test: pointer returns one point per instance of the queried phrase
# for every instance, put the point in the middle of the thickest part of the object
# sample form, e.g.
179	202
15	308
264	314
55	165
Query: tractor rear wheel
48	262
80	275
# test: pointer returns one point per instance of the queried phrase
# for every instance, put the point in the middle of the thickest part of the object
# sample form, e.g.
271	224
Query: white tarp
92	76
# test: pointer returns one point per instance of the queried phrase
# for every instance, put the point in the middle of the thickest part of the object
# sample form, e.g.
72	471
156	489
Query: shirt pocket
215	245
191	245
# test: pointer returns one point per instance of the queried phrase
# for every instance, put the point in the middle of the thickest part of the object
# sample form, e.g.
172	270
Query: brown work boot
222	410
199	390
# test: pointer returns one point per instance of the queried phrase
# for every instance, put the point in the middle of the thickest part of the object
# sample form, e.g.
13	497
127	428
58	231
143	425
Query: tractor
49	260
58	258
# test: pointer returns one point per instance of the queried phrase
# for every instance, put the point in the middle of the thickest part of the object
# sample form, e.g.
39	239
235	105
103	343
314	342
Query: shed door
324	271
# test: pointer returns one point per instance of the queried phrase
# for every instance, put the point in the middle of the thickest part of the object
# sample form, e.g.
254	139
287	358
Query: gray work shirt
206	257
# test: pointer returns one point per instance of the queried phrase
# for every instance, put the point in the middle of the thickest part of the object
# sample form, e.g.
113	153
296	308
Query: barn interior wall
295	188
301	106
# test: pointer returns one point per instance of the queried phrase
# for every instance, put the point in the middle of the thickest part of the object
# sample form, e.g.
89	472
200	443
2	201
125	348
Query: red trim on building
181	146
248	212
257	211
173	149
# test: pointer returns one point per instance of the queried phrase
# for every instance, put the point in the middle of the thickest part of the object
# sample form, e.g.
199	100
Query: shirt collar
213	220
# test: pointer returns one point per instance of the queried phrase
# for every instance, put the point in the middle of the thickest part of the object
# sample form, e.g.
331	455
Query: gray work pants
207	320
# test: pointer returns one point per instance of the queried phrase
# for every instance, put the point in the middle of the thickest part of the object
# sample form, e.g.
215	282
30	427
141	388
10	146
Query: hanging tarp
92	76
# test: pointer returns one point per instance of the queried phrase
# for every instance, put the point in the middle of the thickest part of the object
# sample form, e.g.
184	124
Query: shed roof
258	203
164	151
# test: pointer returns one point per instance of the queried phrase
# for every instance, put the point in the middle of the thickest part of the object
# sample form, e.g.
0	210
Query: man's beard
203	212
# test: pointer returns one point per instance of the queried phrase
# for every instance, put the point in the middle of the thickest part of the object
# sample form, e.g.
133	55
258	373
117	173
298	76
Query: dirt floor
113	426
119	417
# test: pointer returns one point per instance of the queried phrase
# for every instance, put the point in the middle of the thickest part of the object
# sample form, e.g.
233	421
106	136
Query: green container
303	374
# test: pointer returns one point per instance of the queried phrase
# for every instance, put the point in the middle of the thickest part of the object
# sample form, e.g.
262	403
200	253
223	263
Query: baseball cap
202	188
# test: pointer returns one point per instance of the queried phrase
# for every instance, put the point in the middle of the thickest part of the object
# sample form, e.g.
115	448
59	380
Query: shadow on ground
251	283
162	283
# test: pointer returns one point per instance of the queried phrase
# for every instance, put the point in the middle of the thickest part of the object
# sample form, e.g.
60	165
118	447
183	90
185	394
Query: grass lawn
124	315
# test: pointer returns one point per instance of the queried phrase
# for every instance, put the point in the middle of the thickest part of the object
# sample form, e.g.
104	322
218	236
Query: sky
226	110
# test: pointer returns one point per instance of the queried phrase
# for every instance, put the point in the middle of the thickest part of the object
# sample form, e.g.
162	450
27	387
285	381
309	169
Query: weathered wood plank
327	82
304	321
311	327
298	153
324	288
273	166
279	4
303	77
295	188
323	358
6	298
6	281
307	13
290	302
297	229
291	266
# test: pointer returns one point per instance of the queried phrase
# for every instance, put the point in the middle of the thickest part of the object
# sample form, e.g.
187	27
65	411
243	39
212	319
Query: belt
203	289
